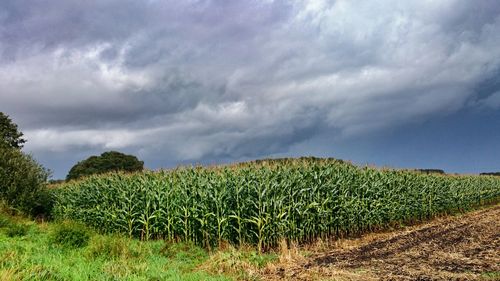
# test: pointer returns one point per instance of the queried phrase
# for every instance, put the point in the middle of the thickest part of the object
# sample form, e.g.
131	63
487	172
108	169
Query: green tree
431	171
22	179
490	174
9	134
22	182
106	162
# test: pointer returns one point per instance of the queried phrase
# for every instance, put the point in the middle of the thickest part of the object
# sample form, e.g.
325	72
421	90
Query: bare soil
462	247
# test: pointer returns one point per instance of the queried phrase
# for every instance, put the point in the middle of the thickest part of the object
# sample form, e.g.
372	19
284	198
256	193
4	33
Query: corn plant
261	203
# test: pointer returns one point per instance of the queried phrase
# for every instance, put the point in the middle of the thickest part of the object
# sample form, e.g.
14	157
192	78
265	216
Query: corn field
263	203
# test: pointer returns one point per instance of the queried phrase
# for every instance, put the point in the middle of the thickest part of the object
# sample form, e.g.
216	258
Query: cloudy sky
392	83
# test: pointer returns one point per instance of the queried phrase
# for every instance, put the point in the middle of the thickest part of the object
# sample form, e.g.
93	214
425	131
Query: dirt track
464	247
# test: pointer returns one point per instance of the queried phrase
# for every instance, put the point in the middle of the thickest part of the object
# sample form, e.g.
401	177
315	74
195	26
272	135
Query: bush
43	202
71	235
22	180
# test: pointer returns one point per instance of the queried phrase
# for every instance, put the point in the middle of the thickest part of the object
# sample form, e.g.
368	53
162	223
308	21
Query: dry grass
8	275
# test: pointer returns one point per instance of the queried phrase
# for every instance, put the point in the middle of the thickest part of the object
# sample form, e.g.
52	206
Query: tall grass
262	203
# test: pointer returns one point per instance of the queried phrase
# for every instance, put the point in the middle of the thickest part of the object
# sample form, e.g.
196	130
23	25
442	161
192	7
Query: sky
402	84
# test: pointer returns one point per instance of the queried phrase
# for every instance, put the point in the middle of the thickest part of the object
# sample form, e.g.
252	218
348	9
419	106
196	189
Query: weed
114	247
14	230
4	221
70	234
40	273
493	275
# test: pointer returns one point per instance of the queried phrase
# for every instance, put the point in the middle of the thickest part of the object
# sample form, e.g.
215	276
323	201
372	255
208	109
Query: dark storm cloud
169	95
73	24
89	40
43	25
215	80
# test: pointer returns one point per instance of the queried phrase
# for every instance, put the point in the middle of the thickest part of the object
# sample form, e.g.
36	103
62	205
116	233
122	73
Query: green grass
493	275
35	255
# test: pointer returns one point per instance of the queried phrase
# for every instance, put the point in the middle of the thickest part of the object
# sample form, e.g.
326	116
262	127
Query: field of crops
265	202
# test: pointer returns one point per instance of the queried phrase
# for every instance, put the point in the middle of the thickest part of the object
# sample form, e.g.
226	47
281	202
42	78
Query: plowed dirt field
461	247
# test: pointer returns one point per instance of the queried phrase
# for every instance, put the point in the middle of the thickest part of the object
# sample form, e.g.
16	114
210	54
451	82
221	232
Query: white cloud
57	140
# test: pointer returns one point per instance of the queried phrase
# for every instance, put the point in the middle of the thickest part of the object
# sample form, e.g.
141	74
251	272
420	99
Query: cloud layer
201	79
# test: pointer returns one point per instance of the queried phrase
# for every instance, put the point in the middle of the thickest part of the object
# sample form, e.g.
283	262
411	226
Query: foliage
42	204
22	181
16	229
9	134
263	203
431	171
72	235
490	174
4	221
12	228
106	162
53	181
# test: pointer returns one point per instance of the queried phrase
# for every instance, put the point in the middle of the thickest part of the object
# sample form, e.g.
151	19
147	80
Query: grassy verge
50	251
69	251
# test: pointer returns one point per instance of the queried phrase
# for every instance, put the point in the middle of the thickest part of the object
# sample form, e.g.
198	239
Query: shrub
42	204
70	234
22	179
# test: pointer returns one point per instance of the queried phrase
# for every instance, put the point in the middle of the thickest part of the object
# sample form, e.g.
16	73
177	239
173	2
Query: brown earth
462	247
